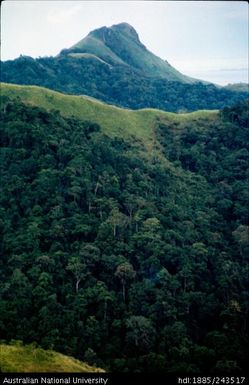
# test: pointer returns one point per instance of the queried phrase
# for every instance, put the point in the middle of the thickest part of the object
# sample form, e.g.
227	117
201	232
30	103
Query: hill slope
31	359
129	262
112	65
114	121
120	44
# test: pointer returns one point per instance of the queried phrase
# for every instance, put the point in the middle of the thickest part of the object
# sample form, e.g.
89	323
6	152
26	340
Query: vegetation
16	358
112	65
120	44
115	122
240	87
127	262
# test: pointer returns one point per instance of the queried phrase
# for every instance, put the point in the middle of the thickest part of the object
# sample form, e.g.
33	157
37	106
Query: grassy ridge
30	359
115	121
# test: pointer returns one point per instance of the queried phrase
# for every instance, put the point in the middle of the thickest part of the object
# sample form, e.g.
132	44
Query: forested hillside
111	64
127	262
135	126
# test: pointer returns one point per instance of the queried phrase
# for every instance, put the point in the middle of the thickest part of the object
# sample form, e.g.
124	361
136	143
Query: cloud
63	15
234	69
239	13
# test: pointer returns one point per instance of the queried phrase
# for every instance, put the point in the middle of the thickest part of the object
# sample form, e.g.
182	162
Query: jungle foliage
119	84
123	262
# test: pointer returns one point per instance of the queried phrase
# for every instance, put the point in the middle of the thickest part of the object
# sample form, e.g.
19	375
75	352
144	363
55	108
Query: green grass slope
87	56
136	125
92	45
120	44
31	359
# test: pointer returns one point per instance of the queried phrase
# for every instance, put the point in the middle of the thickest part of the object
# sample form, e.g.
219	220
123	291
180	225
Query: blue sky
203	39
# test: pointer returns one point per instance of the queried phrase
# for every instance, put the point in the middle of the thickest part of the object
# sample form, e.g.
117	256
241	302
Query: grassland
136	125
88	56
31	359
93	45
112	44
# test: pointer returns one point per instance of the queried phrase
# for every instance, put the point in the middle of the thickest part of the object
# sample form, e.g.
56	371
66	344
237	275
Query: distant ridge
239	87
111	64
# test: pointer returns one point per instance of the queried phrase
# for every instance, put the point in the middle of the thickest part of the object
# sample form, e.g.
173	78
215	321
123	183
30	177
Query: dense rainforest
119	85
126	261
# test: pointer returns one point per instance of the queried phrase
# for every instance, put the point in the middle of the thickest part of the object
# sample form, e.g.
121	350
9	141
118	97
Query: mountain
120	45
124	234
112	65
18	358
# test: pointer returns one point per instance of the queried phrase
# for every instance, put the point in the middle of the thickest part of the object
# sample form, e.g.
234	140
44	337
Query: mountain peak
120	45
127	29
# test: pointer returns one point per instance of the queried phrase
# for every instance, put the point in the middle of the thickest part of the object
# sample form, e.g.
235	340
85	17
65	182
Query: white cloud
63	15
239	12
211	64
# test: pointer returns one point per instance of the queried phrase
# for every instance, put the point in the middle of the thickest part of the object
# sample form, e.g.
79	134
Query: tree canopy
128	264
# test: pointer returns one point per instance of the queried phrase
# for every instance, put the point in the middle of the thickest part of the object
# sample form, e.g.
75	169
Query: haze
204	39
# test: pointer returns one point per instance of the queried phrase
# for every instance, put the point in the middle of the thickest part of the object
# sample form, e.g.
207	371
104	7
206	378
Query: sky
203	39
